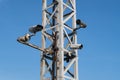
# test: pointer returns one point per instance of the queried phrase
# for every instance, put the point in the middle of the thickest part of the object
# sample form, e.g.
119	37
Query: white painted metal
42	61
61	13
61	41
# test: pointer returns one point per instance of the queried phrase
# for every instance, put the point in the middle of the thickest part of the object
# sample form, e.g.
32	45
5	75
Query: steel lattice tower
59	52
59	20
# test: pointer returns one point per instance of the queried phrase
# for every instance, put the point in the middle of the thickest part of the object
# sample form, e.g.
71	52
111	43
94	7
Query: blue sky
98	60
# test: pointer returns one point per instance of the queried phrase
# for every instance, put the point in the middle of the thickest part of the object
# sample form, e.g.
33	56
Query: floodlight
80	23
36	28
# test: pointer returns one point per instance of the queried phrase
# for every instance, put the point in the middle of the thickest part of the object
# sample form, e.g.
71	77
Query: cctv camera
80	23
24	38
36	28
76	46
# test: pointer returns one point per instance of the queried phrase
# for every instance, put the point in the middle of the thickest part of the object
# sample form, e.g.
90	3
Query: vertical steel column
75	42
42	61
61	41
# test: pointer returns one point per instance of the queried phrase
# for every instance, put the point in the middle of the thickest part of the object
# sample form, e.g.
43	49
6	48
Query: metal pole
75	41
61	41
42	61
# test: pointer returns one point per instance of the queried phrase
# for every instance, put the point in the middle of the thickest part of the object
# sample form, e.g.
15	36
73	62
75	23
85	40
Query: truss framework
59	61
